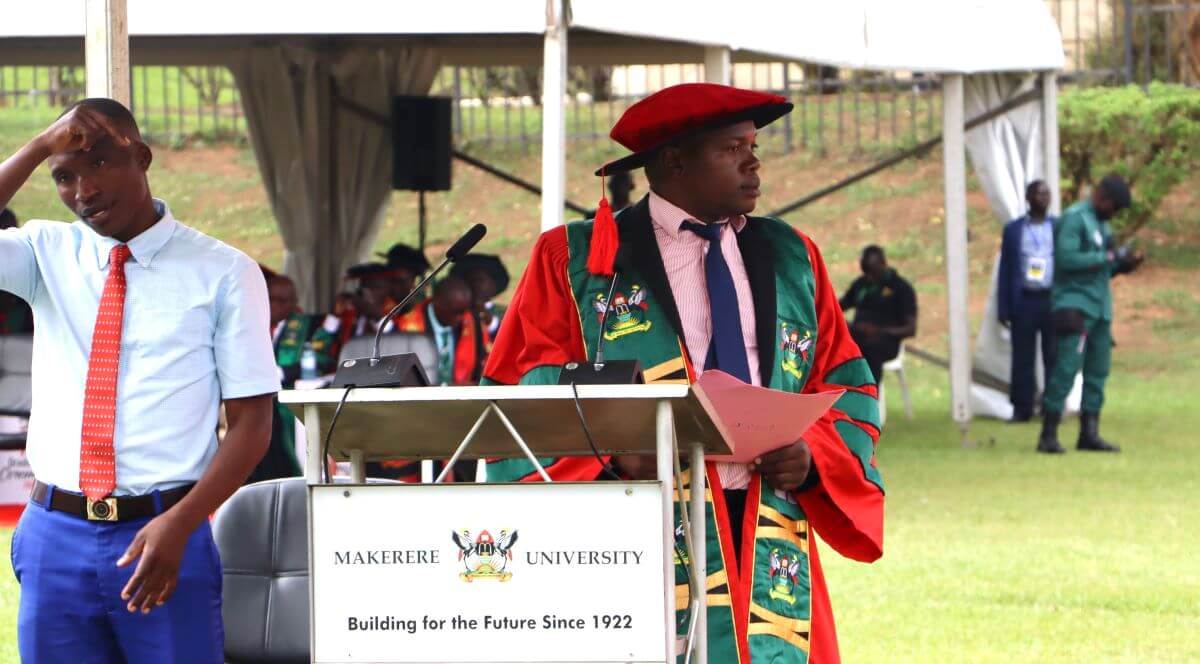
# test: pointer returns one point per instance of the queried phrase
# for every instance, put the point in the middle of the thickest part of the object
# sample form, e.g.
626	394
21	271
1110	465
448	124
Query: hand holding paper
787	468
758	420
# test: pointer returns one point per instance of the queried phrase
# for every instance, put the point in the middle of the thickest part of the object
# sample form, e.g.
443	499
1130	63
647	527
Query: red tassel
604	241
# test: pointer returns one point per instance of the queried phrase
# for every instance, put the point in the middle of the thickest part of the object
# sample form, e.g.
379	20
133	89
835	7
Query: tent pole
1050	139
106	49
955	166
421	220
717	65
554	128
327	257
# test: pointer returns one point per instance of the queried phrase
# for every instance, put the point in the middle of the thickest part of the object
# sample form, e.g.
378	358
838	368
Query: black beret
410	258
489	263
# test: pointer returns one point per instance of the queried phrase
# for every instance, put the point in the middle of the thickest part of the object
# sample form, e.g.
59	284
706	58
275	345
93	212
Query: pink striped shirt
683	255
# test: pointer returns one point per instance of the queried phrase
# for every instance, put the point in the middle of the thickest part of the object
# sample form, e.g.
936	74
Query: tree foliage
1150	137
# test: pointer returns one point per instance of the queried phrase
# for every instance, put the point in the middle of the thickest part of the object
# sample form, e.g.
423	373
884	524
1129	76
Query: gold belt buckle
104	509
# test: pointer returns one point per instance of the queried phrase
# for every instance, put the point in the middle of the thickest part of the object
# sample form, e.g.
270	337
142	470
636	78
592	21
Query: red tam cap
683	110
667	115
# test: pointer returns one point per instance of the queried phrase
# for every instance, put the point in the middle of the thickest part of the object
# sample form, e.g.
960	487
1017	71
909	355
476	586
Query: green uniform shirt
1082	269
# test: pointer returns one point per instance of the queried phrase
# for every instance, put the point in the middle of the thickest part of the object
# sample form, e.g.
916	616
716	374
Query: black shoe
1048	440
1019	416
1089	435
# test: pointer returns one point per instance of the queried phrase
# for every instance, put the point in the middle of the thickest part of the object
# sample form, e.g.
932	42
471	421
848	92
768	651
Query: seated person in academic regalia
375	288
449	319
620	192
487	277
373	295
620	189
406	264
292	331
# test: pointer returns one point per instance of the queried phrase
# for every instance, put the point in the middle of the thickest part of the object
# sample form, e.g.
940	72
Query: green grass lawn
996	553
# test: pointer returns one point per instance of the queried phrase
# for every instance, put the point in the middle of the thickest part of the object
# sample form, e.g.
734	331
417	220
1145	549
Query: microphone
620	259
404	369
460	248
466	243
599	372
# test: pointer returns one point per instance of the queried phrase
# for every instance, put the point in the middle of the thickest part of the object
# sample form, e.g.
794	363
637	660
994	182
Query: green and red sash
472	342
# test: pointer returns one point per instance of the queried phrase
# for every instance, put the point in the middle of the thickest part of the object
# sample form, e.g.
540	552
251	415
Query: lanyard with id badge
1035	269
1035	266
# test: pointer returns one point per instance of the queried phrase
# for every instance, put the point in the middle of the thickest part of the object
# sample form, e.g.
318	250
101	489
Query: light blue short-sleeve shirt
1037	254
196	331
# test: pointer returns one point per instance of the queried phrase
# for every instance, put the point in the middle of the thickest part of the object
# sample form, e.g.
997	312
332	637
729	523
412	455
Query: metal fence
1130	41
171	103
1106	42
499	106
1163	42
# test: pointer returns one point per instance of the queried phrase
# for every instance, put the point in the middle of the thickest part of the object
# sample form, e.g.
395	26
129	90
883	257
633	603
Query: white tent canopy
361	49
944	36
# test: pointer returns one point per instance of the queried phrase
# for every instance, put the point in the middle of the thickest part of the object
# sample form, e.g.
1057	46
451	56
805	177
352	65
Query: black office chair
16	391
262	534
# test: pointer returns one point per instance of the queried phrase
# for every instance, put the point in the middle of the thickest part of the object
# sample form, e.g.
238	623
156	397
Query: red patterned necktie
97	462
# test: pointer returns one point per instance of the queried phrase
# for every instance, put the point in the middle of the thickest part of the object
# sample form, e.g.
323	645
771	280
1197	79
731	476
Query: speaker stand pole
421	220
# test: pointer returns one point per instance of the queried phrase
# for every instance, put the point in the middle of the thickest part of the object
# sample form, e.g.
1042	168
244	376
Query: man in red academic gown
705	286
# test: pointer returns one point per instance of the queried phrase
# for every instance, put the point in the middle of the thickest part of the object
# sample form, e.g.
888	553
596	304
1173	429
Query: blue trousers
1029	322
71	609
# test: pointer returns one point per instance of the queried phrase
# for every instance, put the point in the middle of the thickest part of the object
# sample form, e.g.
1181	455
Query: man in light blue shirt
1023	295
1037	252
132	573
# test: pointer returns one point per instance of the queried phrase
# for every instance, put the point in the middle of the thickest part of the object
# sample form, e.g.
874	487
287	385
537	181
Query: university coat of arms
628	314
485	557
796	347
783	573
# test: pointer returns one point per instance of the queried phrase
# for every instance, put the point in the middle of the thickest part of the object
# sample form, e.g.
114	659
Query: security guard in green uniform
1085	259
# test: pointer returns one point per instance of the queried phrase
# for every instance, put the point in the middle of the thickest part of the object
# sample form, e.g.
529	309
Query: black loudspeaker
402	370
421	145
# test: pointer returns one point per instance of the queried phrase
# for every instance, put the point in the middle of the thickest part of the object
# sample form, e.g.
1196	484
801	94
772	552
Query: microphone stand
403	370
599	371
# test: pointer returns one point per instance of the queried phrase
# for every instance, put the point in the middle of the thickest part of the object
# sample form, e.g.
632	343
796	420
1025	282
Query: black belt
113	508
1036	292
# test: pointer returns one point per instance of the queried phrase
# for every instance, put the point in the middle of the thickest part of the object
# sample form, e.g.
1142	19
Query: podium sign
564	572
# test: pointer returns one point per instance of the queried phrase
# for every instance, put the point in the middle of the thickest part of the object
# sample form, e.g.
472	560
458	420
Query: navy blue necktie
727	349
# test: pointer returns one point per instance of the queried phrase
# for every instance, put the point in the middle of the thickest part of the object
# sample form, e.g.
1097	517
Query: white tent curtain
1006	153
327	170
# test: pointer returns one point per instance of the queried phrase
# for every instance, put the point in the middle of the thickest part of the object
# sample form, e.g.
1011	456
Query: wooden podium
505	422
